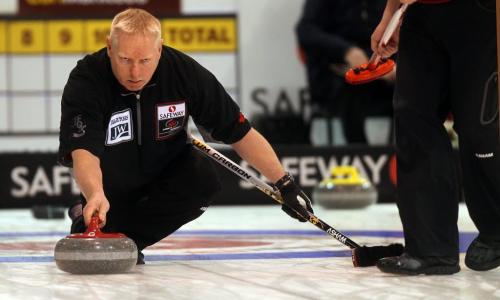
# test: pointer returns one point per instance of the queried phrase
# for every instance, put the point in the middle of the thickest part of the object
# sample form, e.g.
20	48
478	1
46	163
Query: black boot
140	258
483	254
409	265
75	213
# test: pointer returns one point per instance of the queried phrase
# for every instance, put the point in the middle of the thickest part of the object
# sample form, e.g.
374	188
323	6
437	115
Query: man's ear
160	46
108	45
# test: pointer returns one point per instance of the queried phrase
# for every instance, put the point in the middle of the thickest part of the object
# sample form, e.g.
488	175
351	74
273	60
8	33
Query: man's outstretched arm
88	175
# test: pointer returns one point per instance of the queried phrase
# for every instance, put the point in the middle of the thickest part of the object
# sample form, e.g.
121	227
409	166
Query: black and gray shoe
406	264
75	213
483	254
75	210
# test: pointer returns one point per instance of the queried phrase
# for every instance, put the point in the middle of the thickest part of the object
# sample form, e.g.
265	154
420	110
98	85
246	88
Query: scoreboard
85	36
36	56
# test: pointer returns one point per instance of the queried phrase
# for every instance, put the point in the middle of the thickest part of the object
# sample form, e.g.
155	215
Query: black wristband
284	181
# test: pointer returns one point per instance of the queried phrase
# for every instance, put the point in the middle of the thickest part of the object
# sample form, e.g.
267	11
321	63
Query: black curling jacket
136	134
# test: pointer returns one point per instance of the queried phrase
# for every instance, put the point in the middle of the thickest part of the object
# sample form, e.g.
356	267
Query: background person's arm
313	37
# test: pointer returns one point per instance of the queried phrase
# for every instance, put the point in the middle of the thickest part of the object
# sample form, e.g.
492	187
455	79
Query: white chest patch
170	119
119	128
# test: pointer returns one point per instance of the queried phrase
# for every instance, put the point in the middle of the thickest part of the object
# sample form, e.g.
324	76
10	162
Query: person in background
124	132
445	64
334	36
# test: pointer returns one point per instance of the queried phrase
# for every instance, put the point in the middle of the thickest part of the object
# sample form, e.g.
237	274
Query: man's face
134	59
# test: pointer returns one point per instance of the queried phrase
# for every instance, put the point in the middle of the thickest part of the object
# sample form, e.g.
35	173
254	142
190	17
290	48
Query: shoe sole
438	270
483	267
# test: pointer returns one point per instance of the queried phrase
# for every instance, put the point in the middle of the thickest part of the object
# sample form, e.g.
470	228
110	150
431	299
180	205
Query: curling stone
344	189
95	252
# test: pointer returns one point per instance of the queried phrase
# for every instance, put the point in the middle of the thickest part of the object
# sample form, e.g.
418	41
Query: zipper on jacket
138	110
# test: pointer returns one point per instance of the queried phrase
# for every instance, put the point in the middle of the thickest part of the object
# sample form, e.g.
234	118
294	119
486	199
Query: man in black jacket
335	36
123	131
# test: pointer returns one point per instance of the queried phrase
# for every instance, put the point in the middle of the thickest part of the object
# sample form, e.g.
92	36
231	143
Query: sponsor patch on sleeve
170	119
119	128
78	126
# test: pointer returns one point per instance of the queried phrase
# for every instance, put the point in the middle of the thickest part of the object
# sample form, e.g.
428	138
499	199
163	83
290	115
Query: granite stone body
95	255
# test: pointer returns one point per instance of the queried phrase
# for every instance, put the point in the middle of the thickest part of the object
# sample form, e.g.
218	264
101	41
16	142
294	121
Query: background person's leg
354	99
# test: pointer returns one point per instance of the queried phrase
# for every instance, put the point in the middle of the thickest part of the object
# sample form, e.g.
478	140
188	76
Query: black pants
447	54
181	194
360	101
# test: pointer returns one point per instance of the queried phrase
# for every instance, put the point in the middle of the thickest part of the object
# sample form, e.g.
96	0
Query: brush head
368	256
367	72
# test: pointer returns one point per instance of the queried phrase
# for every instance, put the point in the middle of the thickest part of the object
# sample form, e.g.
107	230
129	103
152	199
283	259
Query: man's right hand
96	204
392	44
386	50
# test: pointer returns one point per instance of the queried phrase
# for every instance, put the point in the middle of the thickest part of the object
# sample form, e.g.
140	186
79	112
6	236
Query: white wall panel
208	6
54	107
59	68
28	113
3	112
9	6
3	73
28	73
222	65
268	50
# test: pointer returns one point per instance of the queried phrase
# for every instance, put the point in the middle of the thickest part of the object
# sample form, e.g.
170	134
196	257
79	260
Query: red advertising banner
93	8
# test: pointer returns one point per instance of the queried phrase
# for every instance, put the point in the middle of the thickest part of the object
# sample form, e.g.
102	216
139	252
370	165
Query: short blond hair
135	21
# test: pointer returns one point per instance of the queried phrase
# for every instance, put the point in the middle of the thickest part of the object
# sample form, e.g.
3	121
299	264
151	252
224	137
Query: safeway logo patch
170	119
119	128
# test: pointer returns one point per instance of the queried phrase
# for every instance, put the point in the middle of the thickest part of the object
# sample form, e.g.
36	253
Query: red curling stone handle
93	231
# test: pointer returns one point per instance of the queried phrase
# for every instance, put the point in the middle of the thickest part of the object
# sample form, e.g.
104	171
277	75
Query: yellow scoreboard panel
65	36
3	32
26	37
95	35
206	34
200	34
